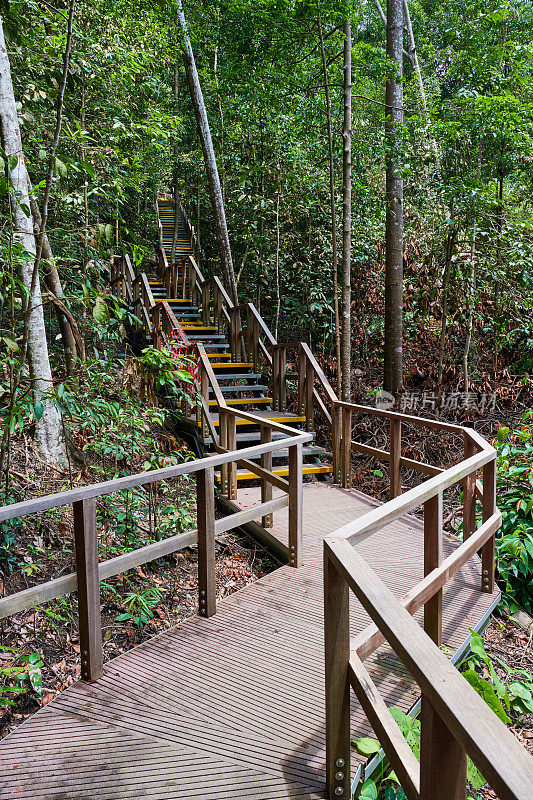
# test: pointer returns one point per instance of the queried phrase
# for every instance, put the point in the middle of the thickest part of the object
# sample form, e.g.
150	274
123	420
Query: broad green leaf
486	691
366	746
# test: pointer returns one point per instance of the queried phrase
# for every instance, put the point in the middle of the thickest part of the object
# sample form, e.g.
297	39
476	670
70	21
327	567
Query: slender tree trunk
393	364
332	206
278	288
470	287
347	216
48	430
175	187
450	244
497	283
85	186
211	169
413	55
53	284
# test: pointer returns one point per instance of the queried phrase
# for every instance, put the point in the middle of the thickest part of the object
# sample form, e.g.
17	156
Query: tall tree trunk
470	286
413	55
393	366
347	216
211	169
53	284
332	206
497	282
175	187
450	244
278	288
48	430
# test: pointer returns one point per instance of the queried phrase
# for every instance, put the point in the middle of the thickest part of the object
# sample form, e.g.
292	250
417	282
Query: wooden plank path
231	706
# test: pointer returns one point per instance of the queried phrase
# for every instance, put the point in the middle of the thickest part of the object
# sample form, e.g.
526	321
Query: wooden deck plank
231	706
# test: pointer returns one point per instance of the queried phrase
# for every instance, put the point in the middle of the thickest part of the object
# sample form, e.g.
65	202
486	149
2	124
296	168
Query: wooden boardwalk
231	706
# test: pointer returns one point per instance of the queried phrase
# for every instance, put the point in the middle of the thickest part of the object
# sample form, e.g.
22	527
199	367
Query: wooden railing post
205	506
336	438
302	365
90	625
469	491
223	434
489	508
217	306
295	504
235	332
275	377
204	388
337	654
282	377
442	759
191	282
232	466
432	559
266	486
395	455
252	335
346	449
206	304
136	290
309	400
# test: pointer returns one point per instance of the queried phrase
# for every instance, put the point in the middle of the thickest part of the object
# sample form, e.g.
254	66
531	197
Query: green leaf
101	311
473	775
366	746
519	690
368	791
61	168
13	346
486	691
38	410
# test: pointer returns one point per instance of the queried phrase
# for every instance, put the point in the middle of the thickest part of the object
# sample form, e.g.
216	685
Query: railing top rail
146	286
319	373
219	397
129	267
425	422
227	299
262	324
174	322
59	499
197	269
494	749
393	509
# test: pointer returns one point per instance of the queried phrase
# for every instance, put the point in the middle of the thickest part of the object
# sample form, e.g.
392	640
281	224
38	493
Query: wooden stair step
282	472
244	401
190	327
289	421
235	376
251	387
231	364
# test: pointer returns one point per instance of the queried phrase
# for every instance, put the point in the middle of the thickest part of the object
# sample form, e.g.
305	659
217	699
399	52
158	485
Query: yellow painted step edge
243	401
280	420
282	472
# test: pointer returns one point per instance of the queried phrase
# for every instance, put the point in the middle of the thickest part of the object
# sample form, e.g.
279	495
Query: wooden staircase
236	376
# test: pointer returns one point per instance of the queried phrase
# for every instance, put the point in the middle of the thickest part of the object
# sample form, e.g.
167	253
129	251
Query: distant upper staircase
240	362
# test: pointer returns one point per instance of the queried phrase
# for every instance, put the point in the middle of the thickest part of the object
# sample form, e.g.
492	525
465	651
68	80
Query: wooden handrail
69	496
455	719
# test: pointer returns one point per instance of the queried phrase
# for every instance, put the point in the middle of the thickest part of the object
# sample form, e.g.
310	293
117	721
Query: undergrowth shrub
514	542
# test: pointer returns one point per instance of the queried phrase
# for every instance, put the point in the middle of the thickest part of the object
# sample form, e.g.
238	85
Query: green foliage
24	672
410	727
167	372
139	605
515	694
514	541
